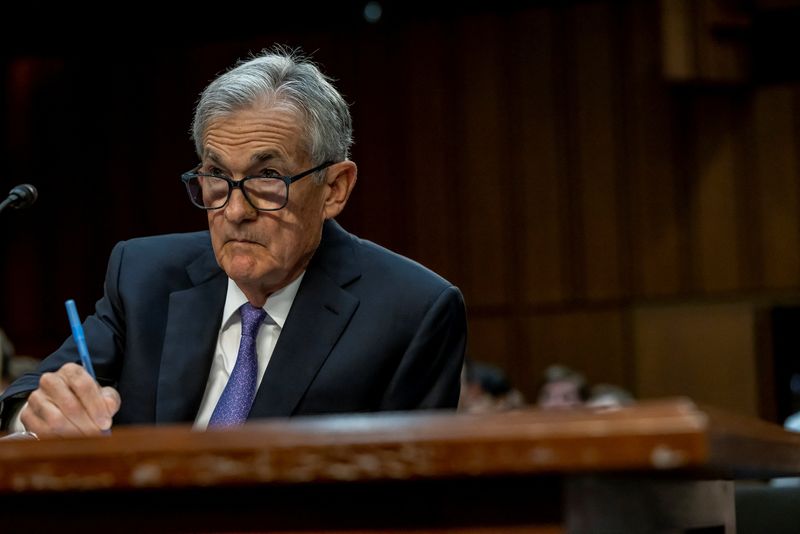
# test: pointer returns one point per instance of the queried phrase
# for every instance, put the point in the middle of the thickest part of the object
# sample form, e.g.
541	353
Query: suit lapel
192	326
320	312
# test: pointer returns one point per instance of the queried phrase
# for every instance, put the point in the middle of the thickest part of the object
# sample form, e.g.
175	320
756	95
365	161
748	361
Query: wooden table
655	467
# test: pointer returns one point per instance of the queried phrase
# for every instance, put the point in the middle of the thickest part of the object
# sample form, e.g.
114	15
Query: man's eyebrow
261	157
210	154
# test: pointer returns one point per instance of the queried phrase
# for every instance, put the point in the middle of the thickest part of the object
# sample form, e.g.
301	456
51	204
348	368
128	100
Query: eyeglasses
264	193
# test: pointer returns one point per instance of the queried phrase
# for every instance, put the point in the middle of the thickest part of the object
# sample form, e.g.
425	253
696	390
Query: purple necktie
239	392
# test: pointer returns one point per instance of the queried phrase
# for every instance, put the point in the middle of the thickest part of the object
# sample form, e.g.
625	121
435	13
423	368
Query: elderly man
276	310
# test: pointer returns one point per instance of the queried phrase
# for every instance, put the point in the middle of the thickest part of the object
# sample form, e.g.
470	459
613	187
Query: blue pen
77	334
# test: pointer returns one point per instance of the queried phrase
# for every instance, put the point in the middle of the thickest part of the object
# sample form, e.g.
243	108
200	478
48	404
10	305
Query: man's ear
340	179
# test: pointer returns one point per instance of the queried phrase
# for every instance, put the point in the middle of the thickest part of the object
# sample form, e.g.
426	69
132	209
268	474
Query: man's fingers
44	418
69	401
87	391
55	391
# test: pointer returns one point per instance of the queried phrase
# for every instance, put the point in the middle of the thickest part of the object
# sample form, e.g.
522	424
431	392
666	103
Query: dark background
597	206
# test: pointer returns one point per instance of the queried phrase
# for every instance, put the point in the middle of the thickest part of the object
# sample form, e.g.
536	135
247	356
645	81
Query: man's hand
68	403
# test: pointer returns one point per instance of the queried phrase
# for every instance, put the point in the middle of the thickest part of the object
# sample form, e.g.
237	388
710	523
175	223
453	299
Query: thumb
112	399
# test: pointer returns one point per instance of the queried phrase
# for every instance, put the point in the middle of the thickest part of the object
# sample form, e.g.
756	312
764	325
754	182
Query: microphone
20	197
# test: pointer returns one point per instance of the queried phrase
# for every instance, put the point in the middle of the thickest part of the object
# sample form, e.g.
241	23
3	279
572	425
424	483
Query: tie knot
252	318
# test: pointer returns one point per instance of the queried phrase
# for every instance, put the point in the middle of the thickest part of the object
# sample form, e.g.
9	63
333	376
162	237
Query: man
276	311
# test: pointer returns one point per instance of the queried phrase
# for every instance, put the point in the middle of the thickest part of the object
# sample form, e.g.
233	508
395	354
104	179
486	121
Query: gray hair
284	78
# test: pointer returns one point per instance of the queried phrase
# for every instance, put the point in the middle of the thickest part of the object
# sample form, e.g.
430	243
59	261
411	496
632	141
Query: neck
258	299
258	293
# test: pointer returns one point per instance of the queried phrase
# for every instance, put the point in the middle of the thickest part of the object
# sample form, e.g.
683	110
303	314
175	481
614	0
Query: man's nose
238	208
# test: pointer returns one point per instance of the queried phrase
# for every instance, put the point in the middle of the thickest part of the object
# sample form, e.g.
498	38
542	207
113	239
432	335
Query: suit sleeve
429	374
104	336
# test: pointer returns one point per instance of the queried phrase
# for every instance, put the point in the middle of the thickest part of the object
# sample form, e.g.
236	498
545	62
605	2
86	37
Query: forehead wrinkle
219	149
257	136
244	124
278	141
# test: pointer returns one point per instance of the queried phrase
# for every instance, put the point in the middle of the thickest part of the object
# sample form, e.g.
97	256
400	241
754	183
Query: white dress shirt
277	307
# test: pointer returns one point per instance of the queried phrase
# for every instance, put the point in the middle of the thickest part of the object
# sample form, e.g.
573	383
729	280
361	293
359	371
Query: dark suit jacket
369	330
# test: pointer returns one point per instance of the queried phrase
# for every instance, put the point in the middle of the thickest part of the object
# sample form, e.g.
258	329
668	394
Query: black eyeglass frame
239	184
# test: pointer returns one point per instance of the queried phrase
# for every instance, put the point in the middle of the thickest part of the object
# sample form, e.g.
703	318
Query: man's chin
243	268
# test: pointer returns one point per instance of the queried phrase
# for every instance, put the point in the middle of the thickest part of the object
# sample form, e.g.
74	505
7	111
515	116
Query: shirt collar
277	306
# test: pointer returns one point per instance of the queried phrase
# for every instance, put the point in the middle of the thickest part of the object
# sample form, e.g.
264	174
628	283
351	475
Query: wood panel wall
536	156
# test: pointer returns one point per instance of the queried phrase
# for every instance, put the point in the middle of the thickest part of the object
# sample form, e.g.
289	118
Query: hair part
284	78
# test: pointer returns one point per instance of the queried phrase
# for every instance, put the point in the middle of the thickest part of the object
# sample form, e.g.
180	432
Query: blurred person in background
562	388
486	388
